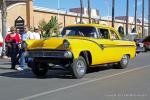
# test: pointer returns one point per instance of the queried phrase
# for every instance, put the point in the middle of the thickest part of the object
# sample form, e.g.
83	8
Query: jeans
22	58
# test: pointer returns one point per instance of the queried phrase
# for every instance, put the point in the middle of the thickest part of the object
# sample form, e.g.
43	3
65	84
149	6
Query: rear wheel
78	67
39	68
122	63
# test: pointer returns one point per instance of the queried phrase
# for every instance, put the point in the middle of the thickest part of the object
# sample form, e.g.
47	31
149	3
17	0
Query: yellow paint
102	50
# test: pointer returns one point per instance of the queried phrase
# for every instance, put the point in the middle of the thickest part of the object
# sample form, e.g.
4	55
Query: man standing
27	35
36	33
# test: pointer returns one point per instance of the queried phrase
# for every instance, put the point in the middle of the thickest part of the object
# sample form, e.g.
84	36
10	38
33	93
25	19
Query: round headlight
24	45
68	54
66	44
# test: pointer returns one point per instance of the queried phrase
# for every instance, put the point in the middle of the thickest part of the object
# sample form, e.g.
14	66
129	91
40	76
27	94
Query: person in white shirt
36	33
27	35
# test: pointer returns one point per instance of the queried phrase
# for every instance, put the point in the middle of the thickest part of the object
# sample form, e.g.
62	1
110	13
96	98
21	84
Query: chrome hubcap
80	67
125	59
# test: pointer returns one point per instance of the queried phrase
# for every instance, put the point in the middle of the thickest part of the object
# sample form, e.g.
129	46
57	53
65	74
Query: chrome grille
46	53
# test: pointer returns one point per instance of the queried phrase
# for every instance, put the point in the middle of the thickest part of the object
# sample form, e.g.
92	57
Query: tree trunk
127	16
4	15
113	11
89	10
135	19
142	18
148	17
81	12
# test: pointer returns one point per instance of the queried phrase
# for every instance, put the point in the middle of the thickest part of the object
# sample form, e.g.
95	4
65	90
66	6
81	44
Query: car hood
57	42
50	43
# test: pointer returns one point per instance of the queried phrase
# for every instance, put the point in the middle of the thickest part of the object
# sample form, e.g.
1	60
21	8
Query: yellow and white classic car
81	46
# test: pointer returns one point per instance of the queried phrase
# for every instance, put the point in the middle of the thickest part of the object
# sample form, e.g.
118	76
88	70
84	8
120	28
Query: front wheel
123	62
78	68
39	68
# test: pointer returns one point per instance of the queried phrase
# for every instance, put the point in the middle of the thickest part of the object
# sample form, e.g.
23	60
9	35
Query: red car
146	42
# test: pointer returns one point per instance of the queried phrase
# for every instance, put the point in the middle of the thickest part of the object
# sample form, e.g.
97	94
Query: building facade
34	15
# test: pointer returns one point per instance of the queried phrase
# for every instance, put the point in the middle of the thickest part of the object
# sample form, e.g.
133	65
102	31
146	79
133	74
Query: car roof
92	25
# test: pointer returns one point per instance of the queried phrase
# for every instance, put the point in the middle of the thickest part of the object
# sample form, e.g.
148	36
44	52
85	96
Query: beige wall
39	16
14	12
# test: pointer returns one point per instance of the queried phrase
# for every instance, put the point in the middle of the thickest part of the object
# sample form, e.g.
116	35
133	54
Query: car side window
103	33
114	36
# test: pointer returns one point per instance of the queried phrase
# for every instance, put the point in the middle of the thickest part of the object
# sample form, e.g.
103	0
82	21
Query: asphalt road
103	83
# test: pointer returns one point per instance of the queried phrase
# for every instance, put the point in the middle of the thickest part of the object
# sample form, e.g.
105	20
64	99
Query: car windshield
80	31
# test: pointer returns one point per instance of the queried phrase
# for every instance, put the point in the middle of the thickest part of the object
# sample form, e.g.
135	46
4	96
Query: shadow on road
61	74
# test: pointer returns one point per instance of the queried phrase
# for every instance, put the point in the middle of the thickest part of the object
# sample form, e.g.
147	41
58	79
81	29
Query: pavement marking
81	83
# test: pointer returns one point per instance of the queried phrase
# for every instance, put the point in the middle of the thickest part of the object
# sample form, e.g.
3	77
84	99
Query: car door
106	44
119	45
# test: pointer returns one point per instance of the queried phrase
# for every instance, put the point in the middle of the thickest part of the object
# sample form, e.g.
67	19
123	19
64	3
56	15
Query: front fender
77	46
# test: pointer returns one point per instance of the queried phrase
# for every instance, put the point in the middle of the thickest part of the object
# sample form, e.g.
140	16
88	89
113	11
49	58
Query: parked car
146	42
80	47
139	41
139	45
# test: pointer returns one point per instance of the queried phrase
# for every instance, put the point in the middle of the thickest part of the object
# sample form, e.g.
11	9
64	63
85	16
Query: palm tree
113	11
81	12
135	19
50	28
142	18
4	15
127	16
148	17
42	26
89	10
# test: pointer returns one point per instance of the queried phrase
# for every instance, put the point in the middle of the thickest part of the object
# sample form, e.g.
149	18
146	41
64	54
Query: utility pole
142	18
113	11
89	10
148	17
4	15
135	19
127	16
81	12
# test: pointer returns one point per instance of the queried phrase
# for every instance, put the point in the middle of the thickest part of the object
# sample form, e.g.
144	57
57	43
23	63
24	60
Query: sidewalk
4	60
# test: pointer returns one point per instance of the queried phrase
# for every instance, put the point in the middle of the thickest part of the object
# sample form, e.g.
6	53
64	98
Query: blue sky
104	6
